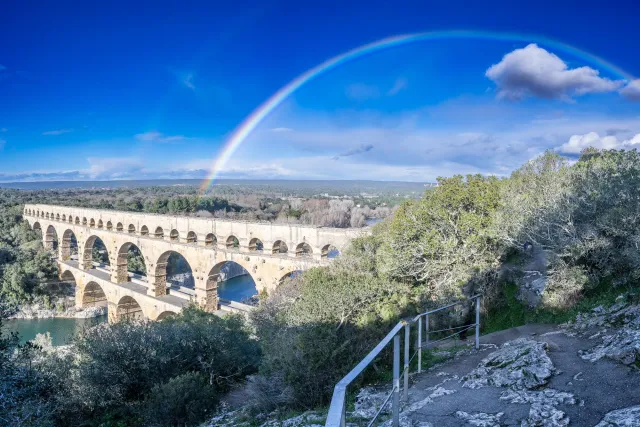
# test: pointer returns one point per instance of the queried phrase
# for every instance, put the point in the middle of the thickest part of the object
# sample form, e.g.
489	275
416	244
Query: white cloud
188	81
2	67
399	85
2	143
154	136
281	129
3	130
113	167
577	143
632	90
533	71
57	132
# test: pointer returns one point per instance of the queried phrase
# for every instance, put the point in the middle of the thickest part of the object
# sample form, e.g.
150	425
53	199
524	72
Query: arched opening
130	260
69	246
159	234
174	270
92	223
329	252
255	244
70	219
210	240
119	227
64	218
229	281
51	239
289	275
84	221
109	226
174	236
128	309
100	223
132	229
279	247
94	296
144	231
36	227
95	252
303	250
65	288
233	242
165	315
77	220
192	237
47	216
57	217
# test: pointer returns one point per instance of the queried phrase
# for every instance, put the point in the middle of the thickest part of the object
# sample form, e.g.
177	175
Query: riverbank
39	311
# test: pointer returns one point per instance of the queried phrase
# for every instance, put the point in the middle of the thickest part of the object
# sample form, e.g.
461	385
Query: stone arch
109	226
329	251
69	245
47	215
279	247
77	220
289	275
64	218
122	265
119	227
255	244
84	221
100	223
132	229
220	273
70	219
128	309
165	314
93	296
37	227
67	276
173	268
57	217
144	231
174	236
192	237
92	222
51	239
304	250
159	234
100	255
233	242
210	240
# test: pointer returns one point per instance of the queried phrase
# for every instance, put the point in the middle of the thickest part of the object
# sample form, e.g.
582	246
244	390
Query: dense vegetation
574	227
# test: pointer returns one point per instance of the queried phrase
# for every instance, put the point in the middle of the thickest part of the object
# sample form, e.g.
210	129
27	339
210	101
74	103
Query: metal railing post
426	330
478	322
396	381
407	334
419	344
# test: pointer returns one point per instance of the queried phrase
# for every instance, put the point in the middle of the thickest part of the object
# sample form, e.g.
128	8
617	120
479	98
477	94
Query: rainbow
251	122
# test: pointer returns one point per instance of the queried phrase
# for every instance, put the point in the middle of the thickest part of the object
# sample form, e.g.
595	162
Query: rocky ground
38	311
584	374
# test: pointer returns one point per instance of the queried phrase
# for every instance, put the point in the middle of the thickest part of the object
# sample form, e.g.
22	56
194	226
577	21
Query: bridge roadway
262	249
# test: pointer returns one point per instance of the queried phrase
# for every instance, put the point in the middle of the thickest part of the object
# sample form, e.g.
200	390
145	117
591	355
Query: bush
185	400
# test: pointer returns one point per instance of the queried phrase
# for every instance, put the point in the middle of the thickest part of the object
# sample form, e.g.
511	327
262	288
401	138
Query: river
62	329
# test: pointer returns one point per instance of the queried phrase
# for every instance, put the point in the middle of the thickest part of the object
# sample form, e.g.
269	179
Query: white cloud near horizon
399	85
281	129
534	72
57	132
577	143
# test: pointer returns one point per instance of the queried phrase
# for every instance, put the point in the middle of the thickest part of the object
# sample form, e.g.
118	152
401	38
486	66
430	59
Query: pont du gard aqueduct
269	252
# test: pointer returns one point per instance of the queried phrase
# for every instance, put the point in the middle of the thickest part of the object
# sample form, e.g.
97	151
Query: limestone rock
368	402
541	415
520	364
627	417
481	419
623	347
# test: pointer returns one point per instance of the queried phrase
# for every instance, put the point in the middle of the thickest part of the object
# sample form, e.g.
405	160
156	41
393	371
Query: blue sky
154	89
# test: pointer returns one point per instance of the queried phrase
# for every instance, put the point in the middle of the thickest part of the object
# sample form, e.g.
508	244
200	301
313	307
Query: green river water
62	329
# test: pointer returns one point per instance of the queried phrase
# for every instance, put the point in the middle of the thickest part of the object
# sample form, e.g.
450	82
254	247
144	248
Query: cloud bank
577	143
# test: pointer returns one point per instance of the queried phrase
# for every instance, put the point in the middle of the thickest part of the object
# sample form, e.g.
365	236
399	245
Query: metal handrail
337	411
